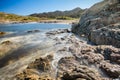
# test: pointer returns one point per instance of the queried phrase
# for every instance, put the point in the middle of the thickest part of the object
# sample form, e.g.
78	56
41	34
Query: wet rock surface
2	33
42	64
59	31
73	59
37	70
70	69
33	31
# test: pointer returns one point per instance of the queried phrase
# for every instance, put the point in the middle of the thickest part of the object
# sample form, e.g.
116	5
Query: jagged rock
31	74
100	23
70	69
109	53
59	31
37	70
42	64
106	36
81	72
110	69
115	58
93	58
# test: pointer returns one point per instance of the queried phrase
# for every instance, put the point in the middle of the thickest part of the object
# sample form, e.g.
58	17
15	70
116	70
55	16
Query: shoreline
58	49
44	21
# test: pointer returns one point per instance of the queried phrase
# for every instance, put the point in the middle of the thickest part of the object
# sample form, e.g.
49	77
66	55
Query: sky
26	7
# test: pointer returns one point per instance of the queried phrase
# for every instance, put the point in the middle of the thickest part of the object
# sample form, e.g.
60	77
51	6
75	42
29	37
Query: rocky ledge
74	59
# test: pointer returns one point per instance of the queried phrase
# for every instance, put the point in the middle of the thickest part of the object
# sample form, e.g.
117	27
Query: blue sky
26	7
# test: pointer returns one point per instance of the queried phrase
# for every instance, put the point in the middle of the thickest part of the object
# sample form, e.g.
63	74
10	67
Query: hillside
5	17
75	13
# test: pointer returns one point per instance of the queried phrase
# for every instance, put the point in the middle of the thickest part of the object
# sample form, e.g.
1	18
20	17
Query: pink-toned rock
70	69
115	58
110	69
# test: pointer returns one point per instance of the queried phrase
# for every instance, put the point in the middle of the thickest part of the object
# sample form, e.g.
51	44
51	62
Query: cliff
101	23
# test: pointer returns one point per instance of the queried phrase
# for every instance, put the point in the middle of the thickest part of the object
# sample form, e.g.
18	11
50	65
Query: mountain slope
75	13
5	17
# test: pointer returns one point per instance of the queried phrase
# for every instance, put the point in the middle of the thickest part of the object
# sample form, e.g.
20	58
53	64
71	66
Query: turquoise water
31	26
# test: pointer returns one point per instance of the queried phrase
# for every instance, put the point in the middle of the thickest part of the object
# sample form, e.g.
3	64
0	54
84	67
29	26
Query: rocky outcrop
109	53
70	69
40	64
111	69
31	74
37	70
59	31
72	59
101	23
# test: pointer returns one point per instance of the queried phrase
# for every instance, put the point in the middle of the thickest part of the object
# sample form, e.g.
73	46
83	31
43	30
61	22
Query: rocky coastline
65	54
69	58
78	61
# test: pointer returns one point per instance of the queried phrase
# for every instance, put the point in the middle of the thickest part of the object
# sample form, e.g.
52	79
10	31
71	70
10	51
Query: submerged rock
32	31
59	31
2	33
6	42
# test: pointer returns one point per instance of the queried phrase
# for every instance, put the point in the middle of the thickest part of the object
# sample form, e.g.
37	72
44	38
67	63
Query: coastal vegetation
61	15
4	17
73	14
38	17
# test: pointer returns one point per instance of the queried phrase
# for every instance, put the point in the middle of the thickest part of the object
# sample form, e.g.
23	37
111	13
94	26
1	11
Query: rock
37	70
106	36
93	58
59	31
114	1
6	42
109	53
70	69
81	72
2	33
110	69
31	74
27	74
115	58
32	31
100	23
42	64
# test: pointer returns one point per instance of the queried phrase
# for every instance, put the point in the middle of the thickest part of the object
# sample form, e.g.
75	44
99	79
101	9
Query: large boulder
106	36
99	16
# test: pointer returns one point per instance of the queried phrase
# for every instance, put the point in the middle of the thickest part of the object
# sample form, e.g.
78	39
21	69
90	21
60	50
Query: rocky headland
101	23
